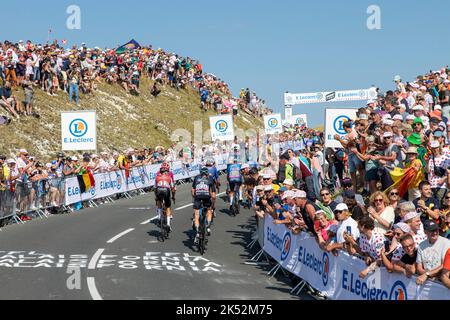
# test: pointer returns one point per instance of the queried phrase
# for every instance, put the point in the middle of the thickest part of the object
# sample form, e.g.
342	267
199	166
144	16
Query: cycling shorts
164	195
206	203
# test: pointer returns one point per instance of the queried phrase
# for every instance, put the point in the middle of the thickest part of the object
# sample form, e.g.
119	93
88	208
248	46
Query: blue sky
269	46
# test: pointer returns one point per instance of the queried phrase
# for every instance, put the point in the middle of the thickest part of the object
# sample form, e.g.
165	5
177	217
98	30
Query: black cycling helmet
204	171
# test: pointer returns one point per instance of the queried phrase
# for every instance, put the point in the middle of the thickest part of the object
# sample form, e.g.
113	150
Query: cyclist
164	186
214	175
234	178
203	192
243	189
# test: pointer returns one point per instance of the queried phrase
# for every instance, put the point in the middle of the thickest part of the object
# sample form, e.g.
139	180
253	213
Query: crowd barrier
337	277
115	182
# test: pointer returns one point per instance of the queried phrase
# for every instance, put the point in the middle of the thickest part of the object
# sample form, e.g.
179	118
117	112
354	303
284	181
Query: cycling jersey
234	173
213	173
203	187
164	181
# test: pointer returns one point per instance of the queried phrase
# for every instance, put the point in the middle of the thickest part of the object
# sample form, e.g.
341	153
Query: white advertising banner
273	124
222	128
299	120
79	131
338	277
110	183
334	96
334	120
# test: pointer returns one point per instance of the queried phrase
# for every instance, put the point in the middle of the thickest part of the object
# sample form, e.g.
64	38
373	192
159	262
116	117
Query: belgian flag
86	181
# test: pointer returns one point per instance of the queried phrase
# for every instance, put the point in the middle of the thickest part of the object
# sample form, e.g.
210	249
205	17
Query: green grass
123	120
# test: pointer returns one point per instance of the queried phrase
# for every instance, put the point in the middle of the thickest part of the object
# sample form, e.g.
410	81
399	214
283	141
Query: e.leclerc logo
221	126
398	292
313	262
78	128
119	181
273	122
360	288
286	246
338	124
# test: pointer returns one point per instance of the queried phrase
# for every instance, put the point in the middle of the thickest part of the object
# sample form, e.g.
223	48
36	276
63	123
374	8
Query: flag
131	45
64	42
86	182
81	184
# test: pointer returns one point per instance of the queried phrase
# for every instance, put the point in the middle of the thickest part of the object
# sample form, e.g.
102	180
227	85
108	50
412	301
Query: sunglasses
338	212
266	179
394	193
325	194
378	200
398	234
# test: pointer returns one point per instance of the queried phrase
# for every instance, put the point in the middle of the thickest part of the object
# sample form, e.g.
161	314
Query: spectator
427	205
381	212
346	226
445	278
431	253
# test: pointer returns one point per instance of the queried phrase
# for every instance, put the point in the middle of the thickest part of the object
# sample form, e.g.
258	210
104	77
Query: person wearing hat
347	227
305	213
437	169
431	253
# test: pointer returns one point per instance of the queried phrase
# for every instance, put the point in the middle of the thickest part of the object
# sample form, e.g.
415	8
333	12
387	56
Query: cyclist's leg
197	205
158	207
231	193
168	205
208	207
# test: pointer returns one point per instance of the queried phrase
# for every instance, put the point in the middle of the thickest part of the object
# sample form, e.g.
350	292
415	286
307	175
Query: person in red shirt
445	277
164	187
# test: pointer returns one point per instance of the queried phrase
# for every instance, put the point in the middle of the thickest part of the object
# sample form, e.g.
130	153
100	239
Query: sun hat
412	150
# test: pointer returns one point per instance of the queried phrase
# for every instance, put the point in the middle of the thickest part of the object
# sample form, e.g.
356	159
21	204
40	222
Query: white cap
402	106
289	182
245	166
300	194
268	188
94	156
74	158
341	207
386	116
415	85
388	134
437	107
418	107
388	122
288	195
410	117
48	165
423	88
363	116
397	117
435	144
10	161
410	215
23	151
397	78
371	101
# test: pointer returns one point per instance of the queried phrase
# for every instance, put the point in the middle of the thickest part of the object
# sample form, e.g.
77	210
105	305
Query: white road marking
95	257
93	289
184	207
120	235
150	220
140	208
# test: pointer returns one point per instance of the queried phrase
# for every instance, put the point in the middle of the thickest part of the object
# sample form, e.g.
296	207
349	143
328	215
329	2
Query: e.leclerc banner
79	131
333	96
222	128
273	124
334	120
337	277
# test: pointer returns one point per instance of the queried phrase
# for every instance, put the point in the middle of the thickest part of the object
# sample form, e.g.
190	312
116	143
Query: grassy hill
123	120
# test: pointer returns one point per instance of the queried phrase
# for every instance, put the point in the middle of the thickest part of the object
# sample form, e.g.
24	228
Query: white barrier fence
338	277
111	183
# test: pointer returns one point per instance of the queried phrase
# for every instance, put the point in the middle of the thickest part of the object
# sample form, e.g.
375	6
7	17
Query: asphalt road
113	252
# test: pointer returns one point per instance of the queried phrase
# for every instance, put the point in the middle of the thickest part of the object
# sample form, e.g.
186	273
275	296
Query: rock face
123	120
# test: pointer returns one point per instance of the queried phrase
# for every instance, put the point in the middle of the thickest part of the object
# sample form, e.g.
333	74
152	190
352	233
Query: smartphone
387	246
349	230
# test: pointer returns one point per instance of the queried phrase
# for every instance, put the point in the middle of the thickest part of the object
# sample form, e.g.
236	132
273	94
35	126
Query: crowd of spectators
384	194
60	71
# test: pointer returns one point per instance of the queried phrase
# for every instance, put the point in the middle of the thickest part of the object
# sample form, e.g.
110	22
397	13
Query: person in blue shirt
213	172
234	178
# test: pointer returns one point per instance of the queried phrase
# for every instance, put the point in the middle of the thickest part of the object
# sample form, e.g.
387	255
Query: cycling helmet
204	171
165	167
